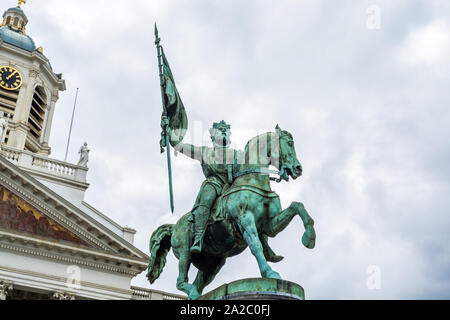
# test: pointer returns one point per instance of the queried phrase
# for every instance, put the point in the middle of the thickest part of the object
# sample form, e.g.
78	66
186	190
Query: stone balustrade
28	160
148	294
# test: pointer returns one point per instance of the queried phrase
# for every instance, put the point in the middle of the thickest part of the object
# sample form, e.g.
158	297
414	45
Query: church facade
53	245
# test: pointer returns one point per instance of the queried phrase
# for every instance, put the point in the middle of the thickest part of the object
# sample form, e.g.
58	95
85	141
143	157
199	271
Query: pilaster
48	122
23	105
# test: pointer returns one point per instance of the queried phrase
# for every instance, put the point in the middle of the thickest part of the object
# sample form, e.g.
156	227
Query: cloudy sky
361	85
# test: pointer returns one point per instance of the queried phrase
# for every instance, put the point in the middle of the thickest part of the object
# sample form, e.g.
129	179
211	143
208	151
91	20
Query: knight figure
217	164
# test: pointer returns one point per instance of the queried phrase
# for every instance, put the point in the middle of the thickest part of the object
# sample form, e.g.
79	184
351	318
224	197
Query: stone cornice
115	224
19	126
35	56
62	281
69	254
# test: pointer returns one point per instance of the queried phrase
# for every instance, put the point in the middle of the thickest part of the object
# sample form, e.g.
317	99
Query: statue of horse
246	214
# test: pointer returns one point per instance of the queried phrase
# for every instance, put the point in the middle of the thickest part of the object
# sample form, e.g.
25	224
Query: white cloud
427	45
168	218
372	137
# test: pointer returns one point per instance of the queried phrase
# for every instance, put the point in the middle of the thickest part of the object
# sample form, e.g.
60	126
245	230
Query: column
48	123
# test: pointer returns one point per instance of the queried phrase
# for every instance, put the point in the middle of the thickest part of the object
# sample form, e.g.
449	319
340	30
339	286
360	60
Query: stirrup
197	247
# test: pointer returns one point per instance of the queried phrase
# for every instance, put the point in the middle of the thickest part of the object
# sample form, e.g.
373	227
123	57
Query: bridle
261	171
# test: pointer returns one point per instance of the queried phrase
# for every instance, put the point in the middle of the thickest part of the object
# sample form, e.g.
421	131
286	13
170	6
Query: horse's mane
260	147
266	137
260	137
264	147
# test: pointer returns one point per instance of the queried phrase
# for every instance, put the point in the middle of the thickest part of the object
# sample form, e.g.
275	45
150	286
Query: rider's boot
200	222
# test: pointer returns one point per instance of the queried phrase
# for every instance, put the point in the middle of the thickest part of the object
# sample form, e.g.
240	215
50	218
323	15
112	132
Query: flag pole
167	142
71	125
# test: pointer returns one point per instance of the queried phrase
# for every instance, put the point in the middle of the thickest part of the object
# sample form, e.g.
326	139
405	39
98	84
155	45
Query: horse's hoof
194	296
273	275
309	238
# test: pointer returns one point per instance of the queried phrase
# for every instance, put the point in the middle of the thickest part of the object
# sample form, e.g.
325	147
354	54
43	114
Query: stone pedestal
257	289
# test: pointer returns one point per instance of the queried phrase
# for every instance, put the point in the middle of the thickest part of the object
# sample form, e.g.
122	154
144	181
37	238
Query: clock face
10	78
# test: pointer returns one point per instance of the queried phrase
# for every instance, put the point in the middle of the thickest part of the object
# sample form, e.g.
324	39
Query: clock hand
10	76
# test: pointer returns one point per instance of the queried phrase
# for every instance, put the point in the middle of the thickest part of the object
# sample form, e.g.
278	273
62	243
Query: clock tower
53	244
29	88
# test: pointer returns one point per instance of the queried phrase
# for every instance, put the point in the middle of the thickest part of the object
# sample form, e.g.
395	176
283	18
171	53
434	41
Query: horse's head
284	157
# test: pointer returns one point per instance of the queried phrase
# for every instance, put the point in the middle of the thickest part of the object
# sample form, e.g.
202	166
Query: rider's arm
187	149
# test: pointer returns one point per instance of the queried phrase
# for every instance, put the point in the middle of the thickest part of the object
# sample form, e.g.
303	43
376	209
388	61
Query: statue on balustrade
84	155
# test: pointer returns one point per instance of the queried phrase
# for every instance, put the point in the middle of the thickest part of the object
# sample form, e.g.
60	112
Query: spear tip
157	39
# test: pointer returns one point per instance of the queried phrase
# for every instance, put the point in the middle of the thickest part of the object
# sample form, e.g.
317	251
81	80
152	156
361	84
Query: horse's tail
159	248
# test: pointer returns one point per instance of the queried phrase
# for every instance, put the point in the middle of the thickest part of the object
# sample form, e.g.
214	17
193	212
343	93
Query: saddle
218	214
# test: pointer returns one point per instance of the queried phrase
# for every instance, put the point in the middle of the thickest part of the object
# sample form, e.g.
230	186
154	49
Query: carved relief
17	215
5	289
62	296
34	73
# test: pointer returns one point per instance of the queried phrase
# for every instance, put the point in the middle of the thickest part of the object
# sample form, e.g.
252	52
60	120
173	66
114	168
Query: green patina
262	287
235	208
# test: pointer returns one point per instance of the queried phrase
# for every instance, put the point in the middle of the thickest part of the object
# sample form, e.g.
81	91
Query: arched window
8	21
16	22
37	113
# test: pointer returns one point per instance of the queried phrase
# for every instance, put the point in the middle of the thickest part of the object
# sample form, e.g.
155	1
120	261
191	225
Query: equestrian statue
235	207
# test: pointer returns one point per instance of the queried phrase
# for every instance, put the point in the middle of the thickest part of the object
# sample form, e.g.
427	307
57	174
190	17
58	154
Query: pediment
36	216
18	215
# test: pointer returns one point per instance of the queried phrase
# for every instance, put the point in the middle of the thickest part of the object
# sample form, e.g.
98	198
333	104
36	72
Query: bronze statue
235	208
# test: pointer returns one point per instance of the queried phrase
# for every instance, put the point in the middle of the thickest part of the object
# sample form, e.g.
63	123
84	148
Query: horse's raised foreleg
309	237
282	220
184	264
246	222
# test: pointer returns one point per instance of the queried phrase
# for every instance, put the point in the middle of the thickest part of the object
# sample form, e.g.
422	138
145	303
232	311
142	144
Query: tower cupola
13	28
29	89
15	18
